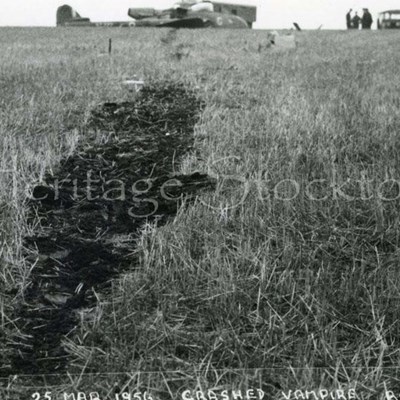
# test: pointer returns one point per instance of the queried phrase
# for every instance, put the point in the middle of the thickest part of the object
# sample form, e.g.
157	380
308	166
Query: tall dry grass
242	289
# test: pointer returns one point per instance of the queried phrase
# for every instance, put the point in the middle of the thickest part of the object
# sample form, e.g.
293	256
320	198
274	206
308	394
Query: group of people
354	21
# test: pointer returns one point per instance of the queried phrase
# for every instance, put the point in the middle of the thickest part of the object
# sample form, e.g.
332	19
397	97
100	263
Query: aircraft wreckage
185	14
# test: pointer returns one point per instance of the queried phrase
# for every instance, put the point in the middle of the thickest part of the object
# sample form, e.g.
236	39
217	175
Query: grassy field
284	278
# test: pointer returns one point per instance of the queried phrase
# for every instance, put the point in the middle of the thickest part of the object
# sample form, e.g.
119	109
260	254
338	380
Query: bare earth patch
93	209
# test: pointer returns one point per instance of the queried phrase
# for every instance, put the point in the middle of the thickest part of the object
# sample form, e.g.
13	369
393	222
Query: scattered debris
277	41
272	36
297	26
134	84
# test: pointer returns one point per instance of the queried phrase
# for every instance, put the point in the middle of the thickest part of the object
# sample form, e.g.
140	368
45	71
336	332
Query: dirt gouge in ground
92	210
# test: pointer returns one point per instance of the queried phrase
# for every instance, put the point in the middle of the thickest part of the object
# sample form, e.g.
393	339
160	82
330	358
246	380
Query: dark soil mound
119	179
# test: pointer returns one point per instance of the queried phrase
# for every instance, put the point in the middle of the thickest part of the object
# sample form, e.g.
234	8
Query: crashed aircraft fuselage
196	15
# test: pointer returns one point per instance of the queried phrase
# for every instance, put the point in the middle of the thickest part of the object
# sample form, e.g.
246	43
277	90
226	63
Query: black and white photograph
200	200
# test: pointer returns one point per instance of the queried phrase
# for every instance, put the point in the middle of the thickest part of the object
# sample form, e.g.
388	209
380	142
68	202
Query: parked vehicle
389	19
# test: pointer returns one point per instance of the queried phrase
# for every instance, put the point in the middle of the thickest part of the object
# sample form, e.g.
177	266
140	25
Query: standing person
348	19
367	20
356	21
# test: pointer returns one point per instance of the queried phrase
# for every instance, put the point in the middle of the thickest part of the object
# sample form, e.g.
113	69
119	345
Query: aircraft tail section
66	15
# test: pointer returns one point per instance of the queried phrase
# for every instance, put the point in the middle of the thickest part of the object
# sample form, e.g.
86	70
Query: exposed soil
93	208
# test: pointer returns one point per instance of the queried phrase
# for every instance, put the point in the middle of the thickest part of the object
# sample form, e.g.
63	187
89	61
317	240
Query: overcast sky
271	14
